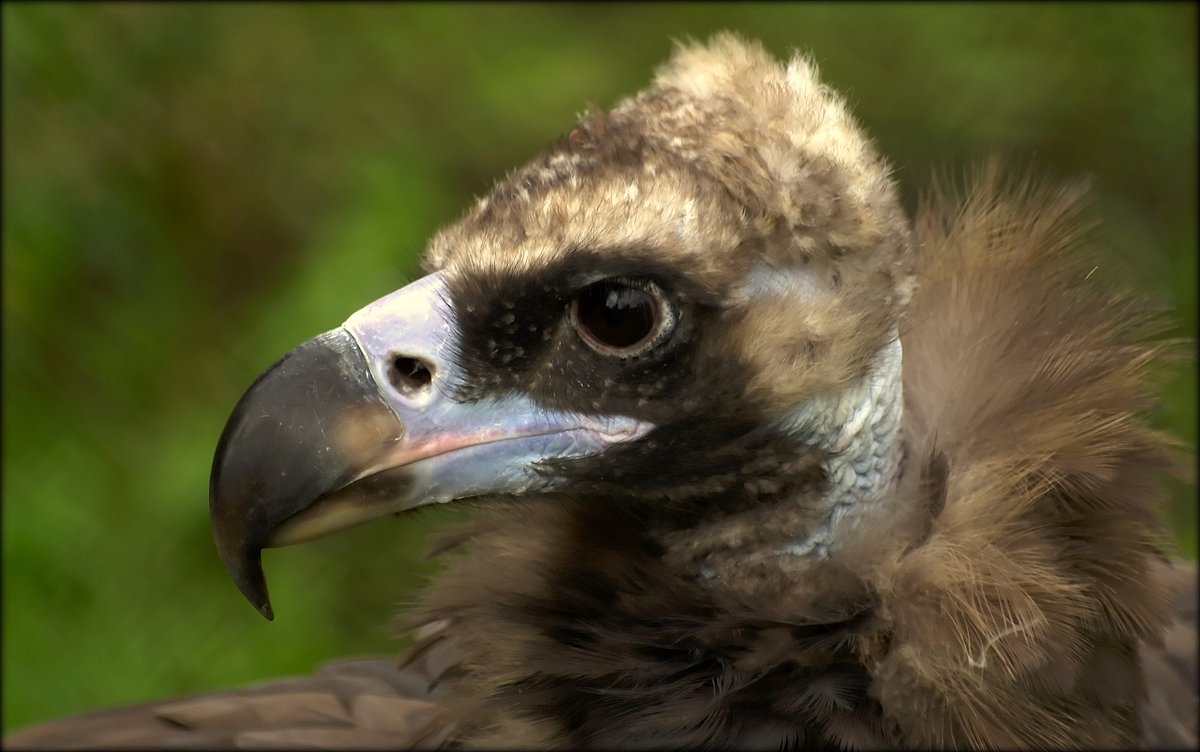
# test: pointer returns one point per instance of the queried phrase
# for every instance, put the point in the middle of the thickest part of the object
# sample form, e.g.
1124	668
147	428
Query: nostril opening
410	375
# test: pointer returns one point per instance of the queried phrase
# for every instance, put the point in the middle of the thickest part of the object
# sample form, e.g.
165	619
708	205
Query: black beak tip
245	568
274	458
240	553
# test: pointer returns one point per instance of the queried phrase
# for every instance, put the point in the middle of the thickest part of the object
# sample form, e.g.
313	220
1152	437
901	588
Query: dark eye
615	317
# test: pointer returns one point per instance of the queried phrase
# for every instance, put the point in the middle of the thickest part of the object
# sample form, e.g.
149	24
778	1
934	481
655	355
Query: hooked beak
360	422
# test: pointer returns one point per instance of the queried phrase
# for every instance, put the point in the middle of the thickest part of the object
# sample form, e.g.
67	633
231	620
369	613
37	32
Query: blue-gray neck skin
861	430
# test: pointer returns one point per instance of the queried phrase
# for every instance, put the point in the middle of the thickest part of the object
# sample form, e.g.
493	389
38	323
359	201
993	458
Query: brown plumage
786	557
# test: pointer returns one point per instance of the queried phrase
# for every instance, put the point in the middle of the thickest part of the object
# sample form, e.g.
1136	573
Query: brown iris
618	318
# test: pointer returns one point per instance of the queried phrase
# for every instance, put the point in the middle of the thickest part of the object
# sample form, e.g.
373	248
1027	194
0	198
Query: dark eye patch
509	320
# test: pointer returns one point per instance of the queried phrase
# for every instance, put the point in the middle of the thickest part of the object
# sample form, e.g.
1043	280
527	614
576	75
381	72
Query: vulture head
686	312
758	461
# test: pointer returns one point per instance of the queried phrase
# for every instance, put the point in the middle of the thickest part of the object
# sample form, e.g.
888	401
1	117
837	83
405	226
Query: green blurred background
190	190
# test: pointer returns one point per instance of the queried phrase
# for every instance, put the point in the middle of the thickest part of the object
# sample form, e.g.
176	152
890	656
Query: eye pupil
616	316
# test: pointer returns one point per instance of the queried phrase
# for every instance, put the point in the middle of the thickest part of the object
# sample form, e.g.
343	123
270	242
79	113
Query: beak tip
274	457
253	585
245	568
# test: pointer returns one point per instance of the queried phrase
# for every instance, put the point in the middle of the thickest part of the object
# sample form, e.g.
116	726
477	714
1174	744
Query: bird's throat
861	437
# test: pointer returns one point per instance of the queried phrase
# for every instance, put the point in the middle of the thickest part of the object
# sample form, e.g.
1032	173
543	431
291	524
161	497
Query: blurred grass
190	190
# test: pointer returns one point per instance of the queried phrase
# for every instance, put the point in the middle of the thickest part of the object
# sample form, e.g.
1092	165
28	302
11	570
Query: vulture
758	460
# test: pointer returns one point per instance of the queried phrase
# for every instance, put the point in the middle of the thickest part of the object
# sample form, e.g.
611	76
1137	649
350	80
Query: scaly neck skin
863	440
